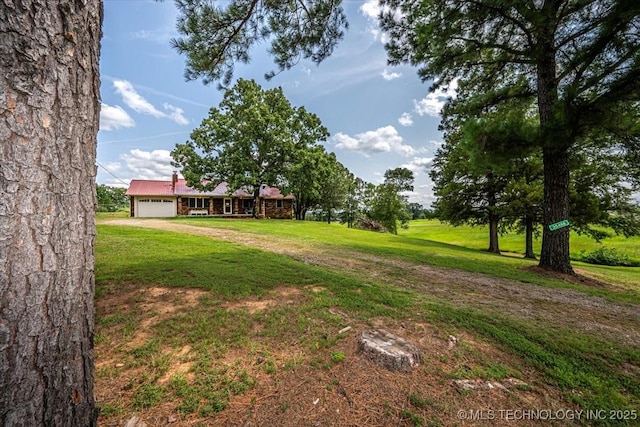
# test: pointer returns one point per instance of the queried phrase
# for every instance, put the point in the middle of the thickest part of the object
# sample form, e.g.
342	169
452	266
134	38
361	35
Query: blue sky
379	117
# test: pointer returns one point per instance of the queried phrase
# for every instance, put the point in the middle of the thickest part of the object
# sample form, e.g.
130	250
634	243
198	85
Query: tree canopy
388	205
214	38
579	61
111	199
251	139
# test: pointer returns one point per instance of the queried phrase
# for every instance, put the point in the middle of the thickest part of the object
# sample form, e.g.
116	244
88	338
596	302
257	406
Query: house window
198	202
247	203
279	203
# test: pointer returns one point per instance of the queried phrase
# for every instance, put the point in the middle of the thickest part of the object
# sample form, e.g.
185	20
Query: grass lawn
477	238
213	332
434	243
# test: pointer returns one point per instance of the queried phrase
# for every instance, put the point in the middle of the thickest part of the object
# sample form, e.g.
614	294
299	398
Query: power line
111	173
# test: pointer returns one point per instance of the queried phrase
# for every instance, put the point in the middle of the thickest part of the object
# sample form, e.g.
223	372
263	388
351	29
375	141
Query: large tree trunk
555	243
528	231
554	254
49	112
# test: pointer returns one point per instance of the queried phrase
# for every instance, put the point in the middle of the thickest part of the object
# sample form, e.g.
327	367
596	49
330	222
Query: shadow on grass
227	270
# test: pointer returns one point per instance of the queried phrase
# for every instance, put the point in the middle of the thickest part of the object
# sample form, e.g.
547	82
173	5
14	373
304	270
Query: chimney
174	180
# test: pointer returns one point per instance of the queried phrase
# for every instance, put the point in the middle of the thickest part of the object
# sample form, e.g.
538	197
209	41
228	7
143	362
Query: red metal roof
142	187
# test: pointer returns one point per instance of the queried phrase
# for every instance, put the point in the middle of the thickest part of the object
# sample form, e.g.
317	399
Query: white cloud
113	167
382	140
390	76
160	35
370	9
423	194
405	119
134	100
418	164
432	104
113	117
139	104
154	164
176	114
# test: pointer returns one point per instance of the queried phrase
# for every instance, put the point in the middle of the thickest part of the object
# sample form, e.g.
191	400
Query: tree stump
389	351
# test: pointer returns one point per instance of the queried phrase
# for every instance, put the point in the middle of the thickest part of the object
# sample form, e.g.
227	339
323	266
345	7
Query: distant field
478	238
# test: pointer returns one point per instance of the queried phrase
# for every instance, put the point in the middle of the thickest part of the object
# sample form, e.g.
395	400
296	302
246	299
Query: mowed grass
127	254
513	243
590	372
434	243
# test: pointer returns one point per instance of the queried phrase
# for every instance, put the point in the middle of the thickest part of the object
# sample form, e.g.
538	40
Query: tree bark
528	230
300	210
555	244
556	143
256	203
494	246
49	114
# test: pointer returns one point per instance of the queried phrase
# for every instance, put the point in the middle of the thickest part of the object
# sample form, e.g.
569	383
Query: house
175	198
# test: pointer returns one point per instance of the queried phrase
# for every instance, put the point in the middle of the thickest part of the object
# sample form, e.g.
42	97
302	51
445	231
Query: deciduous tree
355	202
110	199
333	182
388	206
250	140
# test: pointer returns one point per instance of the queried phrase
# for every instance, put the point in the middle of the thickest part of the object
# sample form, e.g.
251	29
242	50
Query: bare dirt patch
281	296
317	388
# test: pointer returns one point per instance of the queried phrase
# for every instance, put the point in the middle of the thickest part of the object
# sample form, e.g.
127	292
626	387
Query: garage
155	207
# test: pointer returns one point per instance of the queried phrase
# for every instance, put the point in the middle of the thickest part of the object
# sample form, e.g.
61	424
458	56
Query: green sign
557	225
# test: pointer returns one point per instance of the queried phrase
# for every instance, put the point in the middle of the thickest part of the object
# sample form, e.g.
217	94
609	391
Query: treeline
358	203
111	199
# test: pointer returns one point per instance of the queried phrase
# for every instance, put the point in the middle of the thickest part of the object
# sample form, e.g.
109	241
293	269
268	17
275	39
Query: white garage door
155	207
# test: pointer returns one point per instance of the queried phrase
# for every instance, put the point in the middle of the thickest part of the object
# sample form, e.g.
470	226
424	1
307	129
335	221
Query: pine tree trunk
49	112
555	244
554	254
494	246
528	230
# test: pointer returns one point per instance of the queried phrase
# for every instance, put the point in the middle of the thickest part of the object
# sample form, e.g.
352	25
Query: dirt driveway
526	301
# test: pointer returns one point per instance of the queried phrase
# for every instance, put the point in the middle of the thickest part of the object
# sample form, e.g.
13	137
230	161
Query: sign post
557	225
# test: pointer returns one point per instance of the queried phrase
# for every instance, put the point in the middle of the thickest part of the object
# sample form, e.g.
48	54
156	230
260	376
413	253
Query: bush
608	256
369	224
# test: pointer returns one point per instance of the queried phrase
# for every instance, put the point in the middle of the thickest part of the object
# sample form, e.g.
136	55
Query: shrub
608	256
370	224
